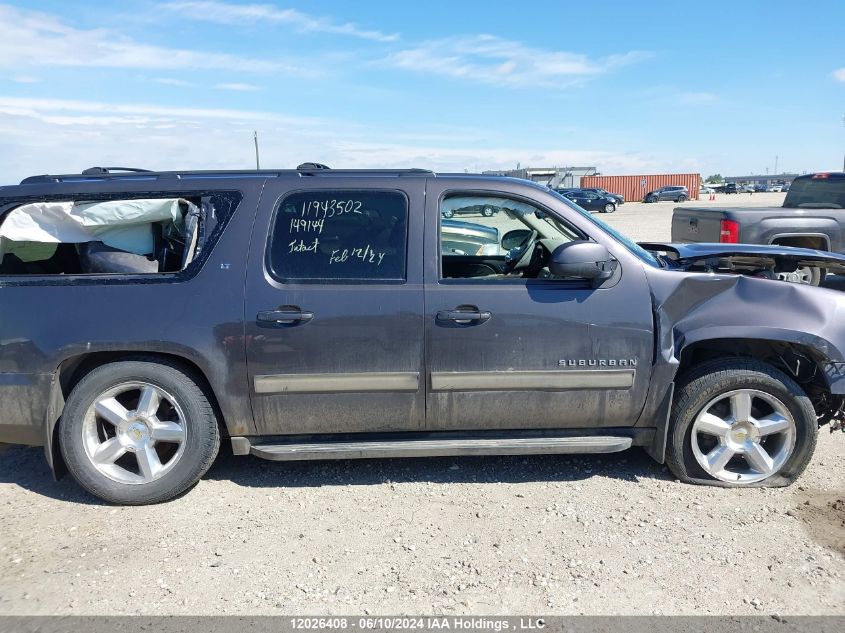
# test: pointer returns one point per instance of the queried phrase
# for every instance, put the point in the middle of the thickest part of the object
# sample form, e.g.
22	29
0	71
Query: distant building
766	179
554	177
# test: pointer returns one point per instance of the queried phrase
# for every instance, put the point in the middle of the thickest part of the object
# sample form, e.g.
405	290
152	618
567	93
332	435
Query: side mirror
583	260
514	238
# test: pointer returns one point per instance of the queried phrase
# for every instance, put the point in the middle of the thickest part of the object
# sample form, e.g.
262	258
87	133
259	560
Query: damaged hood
753	255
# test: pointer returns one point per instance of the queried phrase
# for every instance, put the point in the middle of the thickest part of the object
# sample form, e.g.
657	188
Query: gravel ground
556	535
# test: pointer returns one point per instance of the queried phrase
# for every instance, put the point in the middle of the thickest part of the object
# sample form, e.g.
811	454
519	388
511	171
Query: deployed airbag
121	224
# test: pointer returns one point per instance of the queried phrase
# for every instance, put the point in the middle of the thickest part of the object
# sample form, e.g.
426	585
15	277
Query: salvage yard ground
553	534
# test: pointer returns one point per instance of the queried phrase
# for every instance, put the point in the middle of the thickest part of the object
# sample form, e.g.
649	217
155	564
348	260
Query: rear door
334	306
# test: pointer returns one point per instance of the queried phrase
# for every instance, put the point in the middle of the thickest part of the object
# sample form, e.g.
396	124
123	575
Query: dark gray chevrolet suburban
324	314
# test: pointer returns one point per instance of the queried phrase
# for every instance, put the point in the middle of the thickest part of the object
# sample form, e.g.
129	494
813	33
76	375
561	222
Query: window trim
268	245
188	273
563	284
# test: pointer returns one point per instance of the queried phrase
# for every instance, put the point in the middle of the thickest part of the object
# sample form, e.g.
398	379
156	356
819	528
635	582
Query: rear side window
339	235
108	236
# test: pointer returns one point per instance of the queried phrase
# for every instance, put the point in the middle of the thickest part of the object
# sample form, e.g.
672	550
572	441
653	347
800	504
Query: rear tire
681	199
138	432
448	214
694	454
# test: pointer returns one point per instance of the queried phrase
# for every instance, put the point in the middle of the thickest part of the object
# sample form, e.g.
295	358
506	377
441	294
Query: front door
334	307
512	347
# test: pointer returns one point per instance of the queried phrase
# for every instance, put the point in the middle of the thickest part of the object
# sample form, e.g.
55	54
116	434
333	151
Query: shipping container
634	188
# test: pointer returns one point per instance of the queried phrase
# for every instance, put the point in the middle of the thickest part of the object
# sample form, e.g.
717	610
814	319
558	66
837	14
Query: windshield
636	249
817	193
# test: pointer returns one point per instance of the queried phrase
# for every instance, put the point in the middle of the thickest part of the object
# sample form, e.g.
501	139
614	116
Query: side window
339	235
492	238
118	236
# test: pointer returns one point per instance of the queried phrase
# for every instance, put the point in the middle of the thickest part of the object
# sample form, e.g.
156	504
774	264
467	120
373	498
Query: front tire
740	422
487	212
609	208
138	432
448	214
807	275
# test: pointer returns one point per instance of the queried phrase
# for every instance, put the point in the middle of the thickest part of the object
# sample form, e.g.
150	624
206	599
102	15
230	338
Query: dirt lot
594	535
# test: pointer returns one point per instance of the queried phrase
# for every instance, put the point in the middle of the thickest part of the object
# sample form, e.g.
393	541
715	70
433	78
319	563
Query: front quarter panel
691	307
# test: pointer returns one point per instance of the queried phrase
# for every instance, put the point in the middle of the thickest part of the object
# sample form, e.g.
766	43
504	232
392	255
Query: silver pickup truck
811	217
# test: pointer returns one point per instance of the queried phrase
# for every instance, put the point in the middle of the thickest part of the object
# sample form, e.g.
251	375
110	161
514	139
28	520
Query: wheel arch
818	241
74	368
793	354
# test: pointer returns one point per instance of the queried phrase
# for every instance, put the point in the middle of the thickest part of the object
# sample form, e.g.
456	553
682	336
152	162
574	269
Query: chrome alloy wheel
801	275
743	436
134	433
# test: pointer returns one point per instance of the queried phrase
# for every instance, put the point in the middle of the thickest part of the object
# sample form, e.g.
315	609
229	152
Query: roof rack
108	170
124	173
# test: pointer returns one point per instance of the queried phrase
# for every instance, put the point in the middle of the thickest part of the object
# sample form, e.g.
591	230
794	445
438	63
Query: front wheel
138	432
609	208
740	422
809	275
487	212
652	199
448	214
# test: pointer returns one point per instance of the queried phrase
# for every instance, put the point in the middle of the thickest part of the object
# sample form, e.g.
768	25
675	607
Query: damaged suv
332	314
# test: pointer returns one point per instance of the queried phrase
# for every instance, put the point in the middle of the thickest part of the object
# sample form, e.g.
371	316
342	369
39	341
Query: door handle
464	317
284	317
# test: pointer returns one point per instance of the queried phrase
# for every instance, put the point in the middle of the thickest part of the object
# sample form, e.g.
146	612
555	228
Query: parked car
327	314
731	188
704	190
591	201
776	188
619	200
812	216
483	210
761	188
748	189
673	193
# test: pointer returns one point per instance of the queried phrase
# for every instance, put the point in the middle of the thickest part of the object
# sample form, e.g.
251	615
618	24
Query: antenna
255	138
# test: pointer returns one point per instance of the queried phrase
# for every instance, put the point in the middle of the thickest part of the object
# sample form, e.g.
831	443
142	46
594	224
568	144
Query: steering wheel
515	256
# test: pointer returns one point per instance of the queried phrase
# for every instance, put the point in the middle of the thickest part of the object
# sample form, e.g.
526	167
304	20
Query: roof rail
305	169
91	171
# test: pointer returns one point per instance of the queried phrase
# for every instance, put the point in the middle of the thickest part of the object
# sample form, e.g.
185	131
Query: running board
431	447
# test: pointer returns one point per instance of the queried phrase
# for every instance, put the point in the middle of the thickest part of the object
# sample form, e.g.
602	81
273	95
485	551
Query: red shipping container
634	188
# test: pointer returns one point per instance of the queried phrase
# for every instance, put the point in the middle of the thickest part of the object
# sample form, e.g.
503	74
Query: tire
709	382
681	199
609	208
652	199
811	276
180	415
487	212
448	214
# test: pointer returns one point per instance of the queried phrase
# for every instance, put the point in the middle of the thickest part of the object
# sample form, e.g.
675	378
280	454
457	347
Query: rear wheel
740	422
138	432
681	199
448	214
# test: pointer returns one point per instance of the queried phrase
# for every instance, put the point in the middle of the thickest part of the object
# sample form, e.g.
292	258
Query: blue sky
630	87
